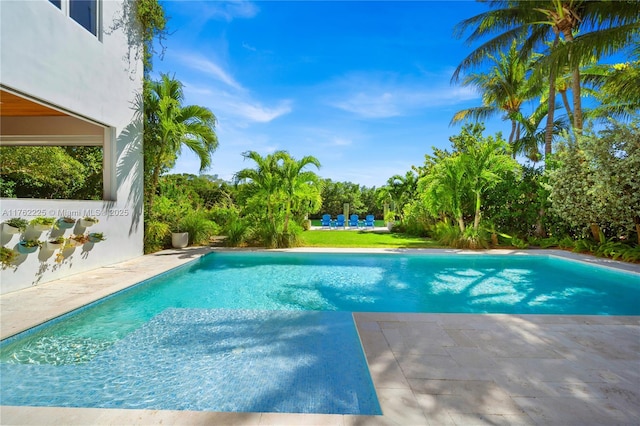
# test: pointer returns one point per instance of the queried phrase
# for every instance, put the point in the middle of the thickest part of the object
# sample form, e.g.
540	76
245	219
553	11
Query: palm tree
296	182
478	164
532	137
609	27
280	179
400	190
263	180
444	187
505	87
169	125
485	163
591	29
617	87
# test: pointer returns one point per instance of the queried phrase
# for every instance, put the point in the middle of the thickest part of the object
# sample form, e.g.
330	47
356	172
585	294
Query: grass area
367	239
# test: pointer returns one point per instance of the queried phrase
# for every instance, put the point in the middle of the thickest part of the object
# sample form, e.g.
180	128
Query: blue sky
362	86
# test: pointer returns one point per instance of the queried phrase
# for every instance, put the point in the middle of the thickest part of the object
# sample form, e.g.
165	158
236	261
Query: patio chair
326	221
354	221
340	221
369	221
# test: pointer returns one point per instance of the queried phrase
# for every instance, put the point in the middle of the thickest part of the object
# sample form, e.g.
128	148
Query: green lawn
368	239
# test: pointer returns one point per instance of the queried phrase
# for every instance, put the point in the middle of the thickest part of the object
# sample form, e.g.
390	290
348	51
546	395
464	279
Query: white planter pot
179	239
86	223
8	229
54	246
390	225
74	243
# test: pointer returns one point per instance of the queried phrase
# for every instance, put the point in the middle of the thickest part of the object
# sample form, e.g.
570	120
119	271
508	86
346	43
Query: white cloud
369	105
210	68
229	10
248	47
238	108
385	95
257	112
215	87
339	141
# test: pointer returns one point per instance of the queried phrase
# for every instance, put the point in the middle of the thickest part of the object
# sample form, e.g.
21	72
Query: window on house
47	153
85	13
51	172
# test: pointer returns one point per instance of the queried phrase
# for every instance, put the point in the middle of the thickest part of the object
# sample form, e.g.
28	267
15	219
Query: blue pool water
233	332
213	360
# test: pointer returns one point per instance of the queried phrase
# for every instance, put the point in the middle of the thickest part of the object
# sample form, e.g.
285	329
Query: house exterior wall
46	55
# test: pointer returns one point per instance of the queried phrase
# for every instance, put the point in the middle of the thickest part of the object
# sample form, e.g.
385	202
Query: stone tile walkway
428	369
450	369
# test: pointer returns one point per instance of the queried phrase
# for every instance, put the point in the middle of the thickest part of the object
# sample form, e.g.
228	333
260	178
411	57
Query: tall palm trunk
548	133
476	221
575	86
565	101
577	102
513	132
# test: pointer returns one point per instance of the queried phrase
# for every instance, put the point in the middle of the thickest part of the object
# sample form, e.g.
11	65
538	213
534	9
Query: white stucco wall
48	56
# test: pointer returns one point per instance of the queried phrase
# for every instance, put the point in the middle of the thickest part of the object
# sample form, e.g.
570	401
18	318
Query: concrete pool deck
428	369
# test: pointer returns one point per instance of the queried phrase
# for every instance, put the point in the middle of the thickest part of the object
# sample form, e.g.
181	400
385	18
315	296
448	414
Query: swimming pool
239	288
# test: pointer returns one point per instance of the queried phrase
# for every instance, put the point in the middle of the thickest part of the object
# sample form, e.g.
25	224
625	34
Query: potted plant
179	236
96	237
28	246
55	243
390	219
7	256
15	225
65	222
179	239
78	240
88	221
42	223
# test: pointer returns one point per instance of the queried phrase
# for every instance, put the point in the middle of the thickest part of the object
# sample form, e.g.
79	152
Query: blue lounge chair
326	221
354	221
340	221
369	221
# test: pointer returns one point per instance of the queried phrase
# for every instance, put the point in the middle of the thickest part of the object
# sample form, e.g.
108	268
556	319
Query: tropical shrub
594	181
519	204
275	193
200	229
584	245
223	214
473	239
632	254
455	184
238	232
519	243
566	243
156	235
417	220
445	233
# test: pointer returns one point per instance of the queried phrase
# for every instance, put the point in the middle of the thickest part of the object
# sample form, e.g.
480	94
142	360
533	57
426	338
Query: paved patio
428	369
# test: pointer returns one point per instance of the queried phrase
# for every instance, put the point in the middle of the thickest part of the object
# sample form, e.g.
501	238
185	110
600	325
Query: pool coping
404	399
